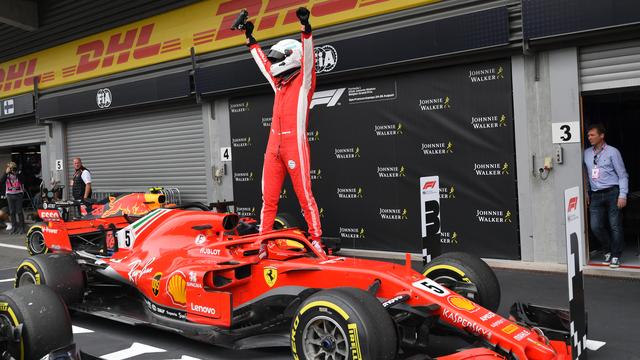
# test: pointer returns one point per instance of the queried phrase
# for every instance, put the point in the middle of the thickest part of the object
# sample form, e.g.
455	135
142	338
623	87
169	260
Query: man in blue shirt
608	188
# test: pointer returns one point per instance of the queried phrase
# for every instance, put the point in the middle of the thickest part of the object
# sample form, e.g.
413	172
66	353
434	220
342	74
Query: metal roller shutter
21	132
133	151
610	66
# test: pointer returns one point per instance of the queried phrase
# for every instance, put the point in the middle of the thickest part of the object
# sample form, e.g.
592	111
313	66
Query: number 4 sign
225	154
567	132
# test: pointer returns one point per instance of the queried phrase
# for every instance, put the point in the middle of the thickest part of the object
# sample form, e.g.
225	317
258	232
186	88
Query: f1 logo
329	97
103	98
429	185
573	204
8	107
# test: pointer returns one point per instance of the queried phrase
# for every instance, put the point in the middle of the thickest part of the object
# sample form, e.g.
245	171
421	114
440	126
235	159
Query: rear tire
35	241
285	220
45	320
60	272
466	268
343	322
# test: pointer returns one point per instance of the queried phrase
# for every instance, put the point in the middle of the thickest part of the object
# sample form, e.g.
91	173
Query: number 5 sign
564	133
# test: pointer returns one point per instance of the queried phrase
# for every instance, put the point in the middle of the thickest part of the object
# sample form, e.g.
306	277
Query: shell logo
177	288
463	303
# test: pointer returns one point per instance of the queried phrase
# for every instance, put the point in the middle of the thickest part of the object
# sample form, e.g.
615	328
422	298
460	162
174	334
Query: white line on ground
134	350
13	246
80	330
594	345
6	280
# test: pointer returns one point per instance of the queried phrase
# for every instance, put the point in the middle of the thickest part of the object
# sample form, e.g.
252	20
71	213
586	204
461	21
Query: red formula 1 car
194	272
71	219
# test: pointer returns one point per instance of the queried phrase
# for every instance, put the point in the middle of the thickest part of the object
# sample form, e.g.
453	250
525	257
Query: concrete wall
545	90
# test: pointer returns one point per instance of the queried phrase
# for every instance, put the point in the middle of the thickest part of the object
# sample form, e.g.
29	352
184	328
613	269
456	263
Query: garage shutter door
610	66
20	132
131	152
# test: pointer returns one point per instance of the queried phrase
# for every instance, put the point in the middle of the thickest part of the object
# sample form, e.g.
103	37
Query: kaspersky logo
241	142
313	135
393	214
439	103
243	176
439	148
350	193
329	98
447	192
489	122
494	216
352	233
388	129
391	171
347	153
488	74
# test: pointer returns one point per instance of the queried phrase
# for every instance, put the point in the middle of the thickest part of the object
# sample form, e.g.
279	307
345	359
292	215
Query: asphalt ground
612	306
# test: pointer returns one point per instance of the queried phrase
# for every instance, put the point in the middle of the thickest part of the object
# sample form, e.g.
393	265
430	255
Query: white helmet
285	57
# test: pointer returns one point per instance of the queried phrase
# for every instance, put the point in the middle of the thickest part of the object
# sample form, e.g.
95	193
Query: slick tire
46	325
60	272
344	322
286	220
462	267
35	241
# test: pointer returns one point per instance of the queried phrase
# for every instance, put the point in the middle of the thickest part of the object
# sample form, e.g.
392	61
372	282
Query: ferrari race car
196	273
70	219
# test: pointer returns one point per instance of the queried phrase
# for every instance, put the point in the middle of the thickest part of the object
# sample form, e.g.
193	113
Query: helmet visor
275	56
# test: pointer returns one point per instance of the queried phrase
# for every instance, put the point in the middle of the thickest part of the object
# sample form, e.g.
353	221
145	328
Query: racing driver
290	69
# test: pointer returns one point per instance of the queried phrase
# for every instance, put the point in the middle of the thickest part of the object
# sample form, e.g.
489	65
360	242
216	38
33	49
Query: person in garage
81	183
608	188
12	185
289	68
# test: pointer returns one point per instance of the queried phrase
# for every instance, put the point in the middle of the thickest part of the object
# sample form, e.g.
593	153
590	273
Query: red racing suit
288	147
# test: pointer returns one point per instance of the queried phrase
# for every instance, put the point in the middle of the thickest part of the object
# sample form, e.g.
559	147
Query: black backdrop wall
371	140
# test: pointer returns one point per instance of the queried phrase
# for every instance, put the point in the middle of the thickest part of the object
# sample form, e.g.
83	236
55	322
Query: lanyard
596	154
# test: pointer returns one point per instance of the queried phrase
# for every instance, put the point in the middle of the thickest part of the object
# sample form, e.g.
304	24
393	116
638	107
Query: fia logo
326	58
103	98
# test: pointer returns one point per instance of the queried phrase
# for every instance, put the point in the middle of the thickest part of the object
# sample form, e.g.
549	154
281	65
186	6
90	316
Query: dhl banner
169	36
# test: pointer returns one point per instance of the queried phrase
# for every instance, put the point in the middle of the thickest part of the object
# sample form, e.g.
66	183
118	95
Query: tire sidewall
35	230
353	328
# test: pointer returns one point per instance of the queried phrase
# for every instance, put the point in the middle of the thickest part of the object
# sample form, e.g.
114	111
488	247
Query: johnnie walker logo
488	74
432	104
489	122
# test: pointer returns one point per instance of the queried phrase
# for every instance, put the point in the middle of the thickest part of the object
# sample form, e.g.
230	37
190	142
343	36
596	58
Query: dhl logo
169	36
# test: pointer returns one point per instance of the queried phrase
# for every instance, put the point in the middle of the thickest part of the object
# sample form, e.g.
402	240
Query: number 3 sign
563	133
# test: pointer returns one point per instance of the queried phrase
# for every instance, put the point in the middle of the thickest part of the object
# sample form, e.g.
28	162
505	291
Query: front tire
35	241
460	269
343	323
60	272
46	325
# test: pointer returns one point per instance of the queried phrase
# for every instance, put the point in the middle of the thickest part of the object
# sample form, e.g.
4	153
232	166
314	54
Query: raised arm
258	55
308	68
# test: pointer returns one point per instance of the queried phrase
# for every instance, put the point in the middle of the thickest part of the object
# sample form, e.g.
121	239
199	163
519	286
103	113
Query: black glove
303	15
248	31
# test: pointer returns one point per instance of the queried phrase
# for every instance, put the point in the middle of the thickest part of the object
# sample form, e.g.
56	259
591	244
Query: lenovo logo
328	97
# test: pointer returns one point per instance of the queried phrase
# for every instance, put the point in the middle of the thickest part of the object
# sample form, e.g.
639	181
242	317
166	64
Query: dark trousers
603	209
15	209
